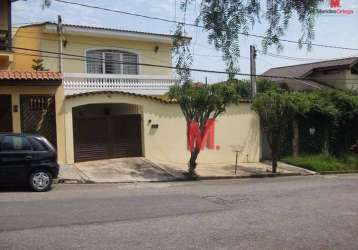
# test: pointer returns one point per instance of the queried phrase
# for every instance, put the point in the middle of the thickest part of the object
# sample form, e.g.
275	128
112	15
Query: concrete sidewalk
127	170
243	170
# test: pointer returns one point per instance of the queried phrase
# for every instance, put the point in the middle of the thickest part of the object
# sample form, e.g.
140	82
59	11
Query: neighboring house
6	55
31	102
107	59
338	73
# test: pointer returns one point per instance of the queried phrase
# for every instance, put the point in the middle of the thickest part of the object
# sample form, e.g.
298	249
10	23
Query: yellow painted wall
32	37
352	84
4	15
239	126
16	91
29	38
339	79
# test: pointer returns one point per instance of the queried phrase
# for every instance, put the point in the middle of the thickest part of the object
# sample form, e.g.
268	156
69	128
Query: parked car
27	159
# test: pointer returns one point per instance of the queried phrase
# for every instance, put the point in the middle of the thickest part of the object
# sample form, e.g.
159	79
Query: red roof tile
30	75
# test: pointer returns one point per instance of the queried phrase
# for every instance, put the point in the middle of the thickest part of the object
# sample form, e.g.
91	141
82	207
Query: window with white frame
112	62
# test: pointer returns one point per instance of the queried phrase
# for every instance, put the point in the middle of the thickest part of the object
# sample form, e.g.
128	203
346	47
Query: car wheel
40	181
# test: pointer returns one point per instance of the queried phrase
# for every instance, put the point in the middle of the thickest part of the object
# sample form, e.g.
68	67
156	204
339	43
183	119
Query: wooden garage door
5	113
107	137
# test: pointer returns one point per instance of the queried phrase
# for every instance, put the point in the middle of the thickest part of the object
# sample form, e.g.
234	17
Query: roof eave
107	33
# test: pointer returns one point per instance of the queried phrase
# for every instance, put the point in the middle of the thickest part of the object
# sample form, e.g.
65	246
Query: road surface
315	212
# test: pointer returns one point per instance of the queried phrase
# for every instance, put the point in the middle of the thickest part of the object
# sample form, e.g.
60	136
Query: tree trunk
274	163
275	147
326	140
192	162
295	138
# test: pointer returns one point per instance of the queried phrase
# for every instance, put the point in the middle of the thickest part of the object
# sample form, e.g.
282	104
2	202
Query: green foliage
38	65
322	162
183	56
46	3
200	102
276	109
227	20
321	104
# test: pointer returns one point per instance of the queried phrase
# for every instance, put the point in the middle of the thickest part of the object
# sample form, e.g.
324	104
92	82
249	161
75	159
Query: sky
332	29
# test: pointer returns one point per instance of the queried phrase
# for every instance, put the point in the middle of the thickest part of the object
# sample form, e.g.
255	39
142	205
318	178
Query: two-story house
109	104
96	58
112	83
337	73
29	101
6	56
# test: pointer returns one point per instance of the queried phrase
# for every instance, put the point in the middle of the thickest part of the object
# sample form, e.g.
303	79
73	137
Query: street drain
227	200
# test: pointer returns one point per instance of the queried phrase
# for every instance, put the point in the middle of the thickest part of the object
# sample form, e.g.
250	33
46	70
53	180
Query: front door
15	158
38	116
5	113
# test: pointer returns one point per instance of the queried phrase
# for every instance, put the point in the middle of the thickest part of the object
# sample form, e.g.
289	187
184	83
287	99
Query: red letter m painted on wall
335	3
195	140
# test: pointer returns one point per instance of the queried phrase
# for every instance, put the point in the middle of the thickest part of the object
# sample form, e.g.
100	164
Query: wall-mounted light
15	108
156	49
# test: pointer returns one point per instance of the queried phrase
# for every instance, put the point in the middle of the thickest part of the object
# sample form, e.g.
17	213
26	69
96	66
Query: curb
338	172
199	178
68	181
157	166
249	176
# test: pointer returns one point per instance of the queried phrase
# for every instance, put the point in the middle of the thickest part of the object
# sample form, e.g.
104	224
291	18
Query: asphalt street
313	212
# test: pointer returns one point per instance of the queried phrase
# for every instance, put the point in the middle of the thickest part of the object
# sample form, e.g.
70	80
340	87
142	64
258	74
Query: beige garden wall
238	127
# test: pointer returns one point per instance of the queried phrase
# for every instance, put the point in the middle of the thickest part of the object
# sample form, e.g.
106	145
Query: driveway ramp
122	170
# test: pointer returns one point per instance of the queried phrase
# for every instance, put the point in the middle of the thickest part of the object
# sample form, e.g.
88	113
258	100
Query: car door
15	158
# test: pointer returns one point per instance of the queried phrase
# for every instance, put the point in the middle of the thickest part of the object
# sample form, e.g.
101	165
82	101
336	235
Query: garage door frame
106	144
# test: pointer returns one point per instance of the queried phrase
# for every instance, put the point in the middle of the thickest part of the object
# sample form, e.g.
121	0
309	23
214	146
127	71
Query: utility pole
60	42
253	55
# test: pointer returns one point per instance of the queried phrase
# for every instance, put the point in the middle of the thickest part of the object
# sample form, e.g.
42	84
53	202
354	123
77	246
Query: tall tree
226	21
199	103
276	109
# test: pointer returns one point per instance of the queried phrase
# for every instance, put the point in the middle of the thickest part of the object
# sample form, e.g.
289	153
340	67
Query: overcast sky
339	30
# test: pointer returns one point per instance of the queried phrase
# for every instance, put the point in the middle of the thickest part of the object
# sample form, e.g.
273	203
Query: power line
196	54
197	25
280	56
85	58
121	47
290	57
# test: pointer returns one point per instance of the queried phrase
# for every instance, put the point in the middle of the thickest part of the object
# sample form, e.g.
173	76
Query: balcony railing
75	83
4	39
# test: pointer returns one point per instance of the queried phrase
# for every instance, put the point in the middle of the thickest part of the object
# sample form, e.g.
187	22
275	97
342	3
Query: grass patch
321	162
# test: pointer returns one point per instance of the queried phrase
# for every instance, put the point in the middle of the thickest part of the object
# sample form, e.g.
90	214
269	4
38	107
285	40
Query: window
15	143
112	62
37	145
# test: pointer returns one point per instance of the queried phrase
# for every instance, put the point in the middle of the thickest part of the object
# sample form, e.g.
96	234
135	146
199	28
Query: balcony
75	83
4	40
